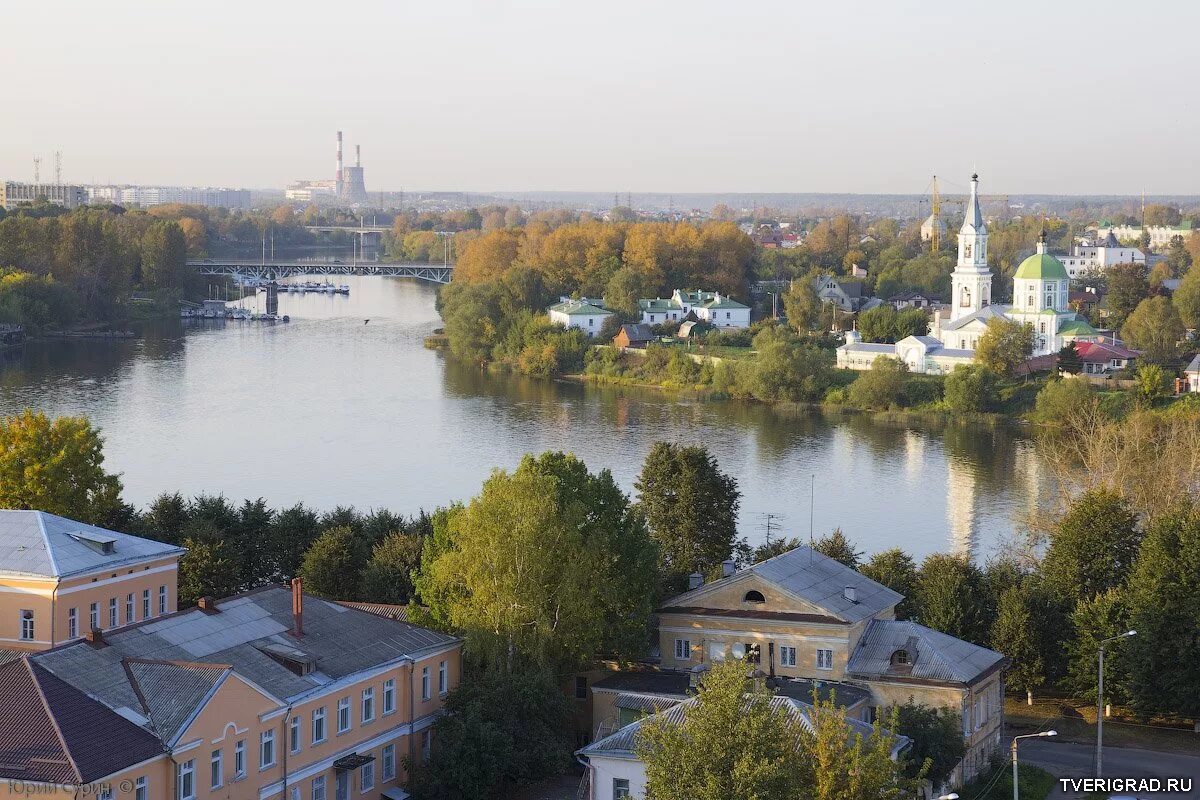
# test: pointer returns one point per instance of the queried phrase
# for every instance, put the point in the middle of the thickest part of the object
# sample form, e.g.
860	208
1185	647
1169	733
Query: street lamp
1100	702
1014	755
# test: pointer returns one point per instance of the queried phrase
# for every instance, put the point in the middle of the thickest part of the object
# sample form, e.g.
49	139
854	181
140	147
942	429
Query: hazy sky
1050	96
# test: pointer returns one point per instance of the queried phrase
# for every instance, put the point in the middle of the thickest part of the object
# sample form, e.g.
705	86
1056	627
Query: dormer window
754	596
900	658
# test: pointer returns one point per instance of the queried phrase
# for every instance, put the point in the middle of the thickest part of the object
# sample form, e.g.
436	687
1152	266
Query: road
1066	760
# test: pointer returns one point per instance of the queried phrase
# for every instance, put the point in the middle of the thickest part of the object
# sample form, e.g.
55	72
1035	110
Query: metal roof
171	692
932	655
34	543
814	578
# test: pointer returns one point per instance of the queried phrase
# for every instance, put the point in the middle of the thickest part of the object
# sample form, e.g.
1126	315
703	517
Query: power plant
347	185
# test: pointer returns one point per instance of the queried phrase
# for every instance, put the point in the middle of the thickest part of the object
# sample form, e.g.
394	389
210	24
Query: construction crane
936	201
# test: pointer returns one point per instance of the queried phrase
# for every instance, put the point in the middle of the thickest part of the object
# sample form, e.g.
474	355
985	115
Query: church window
967	250
1031	301
966	297
1049	301
1043	327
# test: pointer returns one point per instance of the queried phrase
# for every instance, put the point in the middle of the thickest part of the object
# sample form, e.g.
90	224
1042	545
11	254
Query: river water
331	409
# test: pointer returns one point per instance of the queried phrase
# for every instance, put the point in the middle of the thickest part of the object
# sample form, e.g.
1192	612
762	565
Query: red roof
1094	351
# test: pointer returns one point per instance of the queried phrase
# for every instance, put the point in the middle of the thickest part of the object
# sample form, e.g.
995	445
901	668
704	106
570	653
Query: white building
714	308
1160	235
146	196
1094	257
578	314
13	194
931	224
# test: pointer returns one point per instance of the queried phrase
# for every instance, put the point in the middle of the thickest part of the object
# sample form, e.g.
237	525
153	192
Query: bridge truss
269	271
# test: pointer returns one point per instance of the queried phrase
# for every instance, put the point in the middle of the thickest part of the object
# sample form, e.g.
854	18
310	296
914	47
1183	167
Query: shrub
881	386
1060	401
970	388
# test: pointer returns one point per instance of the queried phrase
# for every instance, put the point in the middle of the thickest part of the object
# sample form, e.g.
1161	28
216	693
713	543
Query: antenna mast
58	166
935	202
37	169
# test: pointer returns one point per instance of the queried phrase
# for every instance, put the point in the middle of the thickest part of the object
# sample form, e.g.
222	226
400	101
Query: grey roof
35	543
984	314
868	347
646	682
639	332
650	703
973	220
814	578
938	656
171	692
845	694
1194	366
929	341
340	641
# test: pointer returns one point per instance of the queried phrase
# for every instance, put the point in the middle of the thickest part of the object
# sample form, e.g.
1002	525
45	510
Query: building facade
13	194
716	309
579	314
1160	235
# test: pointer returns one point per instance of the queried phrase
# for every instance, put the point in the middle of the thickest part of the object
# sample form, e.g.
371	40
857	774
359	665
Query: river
331	409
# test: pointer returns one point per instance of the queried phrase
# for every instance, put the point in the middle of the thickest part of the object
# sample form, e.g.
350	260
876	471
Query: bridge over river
268	271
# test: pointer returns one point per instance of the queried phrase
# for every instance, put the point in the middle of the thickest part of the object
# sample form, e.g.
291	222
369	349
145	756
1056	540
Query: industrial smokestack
358	155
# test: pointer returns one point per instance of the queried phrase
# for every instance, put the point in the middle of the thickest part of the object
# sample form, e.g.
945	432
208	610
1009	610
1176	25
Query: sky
1061	97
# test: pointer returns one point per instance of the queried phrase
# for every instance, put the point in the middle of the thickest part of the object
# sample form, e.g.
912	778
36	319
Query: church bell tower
971	281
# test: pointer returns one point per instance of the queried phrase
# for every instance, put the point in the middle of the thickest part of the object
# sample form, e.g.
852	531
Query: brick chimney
298	607
207	604
95	637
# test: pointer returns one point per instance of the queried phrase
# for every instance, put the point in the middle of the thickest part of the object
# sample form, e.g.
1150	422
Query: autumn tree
1155	328
801	305
1004	345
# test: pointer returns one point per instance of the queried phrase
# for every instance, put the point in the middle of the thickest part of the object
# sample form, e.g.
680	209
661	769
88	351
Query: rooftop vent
105	545
295	660
851	594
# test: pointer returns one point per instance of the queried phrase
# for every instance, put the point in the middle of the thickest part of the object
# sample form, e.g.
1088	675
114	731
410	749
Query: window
683	649
620	788
426	745
266	750
140	790
112	612
294	734
368	705
581	687
239	759
128	608
27	625
824	659
318	788
900	657
215	771
185	780
343	719
318	725
389	762
73	623
106	793
443	683
145	604
753	596
425	683
389	696
366	777
787	656
162	600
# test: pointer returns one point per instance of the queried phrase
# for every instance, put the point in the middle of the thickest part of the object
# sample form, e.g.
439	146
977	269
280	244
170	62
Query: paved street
1064	760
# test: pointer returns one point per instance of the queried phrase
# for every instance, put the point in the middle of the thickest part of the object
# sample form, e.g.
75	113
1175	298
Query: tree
1164	609
937	741
56	466
1061	402
970	388
1004	345
1187	297
1155	328
785	368
878	324
691	507
1094	619
548	566
1094	547
206	569
1128	285
881	386
896	570
801	305
387	576
839	548
910	322
1150	383
841	764
333	564
950	598
610	328
771	549
164	256
1068	360
1014	635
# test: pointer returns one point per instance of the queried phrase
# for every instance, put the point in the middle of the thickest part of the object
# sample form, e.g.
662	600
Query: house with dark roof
267	694
636	336
804	615
60	578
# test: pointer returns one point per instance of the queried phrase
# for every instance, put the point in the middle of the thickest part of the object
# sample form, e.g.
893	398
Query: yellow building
60	579
267	694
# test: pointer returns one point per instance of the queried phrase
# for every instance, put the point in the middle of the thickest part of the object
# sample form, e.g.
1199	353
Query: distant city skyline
705	97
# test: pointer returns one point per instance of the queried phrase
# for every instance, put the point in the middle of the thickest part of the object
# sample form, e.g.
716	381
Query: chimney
358	155
298	607
851	594
207	604
95	637
695	581
727	568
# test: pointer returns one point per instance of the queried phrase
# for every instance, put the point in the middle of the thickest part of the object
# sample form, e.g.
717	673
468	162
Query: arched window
966	297
899	657
754	596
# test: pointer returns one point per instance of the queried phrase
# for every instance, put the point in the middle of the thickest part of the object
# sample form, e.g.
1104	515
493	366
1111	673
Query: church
1040	290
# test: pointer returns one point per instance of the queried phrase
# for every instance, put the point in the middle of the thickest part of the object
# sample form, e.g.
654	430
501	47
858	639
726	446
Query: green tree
1061	402
839	548
1014	635
774	548
1068	360
208	568
785	368
1187	297
881	386
549	565
388	574
842	764
1128	286
1150	383
1093	548
56	466
1164	609
878	324
950	597
691	507
970	388
1004	345
937	741
164	256
896	570
333	565
1155	328
802	305
911	322
1094	619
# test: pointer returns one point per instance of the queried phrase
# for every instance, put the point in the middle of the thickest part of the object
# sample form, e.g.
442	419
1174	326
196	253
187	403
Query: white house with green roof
719	310
585	316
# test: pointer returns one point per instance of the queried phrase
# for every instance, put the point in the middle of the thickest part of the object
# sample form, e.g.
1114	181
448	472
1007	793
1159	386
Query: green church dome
1041	267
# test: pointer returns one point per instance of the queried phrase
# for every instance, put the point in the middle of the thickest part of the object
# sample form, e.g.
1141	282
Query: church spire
973	222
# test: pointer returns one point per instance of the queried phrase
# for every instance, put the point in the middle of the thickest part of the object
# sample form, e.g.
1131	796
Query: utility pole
1100	703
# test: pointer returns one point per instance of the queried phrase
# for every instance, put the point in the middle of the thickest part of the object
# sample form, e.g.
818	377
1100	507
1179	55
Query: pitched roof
659	304
646	682
1194	366
973	219
814	578
34	543
388	610
578	308
51	732
639	332
724	302
932	655
1097	351
982	315
171	692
